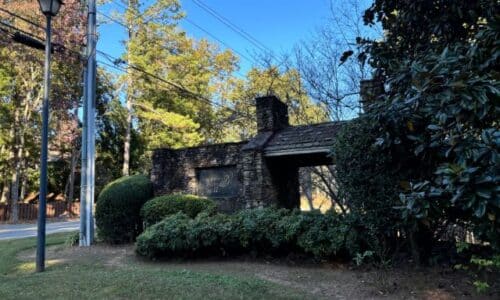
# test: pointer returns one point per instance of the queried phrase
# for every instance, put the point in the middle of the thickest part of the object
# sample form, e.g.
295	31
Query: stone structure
259	172
370	90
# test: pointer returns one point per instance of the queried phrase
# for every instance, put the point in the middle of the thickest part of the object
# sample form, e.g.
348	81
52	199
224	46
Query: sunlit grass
11	248
88	277
30	267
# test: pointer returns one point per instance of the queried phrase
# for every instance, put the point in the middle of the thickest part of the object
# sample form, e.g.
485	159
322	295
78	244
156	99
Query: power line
117	61
18	36
220	41
34	41
233	26
112	19
22	18
20	30
250	60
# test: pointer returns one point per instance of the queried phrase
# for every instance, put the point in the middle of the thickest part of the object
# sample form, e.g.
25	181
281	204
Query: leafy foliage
118	208
158	208
370	176
459	122
441	107
260	232
285	84
21	93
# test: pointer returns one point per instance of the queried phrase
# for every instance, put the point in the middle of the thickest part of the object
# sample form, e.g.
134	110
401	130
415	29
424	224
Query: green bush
260	230
158	208
321	235
178	235
118	208
441	104
370	176
275	232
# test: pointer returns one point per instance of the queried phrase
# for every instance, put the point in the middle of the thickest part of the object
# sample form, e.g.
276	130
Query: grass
10	248
90	278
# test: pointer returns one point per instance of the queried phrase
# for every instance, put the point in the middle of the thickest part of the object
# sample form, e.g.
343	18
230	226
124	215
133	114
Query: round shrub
118	208
158	208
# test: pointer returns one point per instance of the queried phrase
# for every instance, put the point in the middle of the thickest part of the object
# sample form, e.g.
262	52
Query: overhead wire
239	53
55	46
22	18
112	19
117	61
240	31
199	27
218	40
20	30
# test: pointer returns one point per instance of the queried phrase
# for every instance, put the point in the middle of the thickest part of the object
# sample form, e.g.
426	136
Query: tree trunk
126	146
132	11
24	168
5	192
128	133
16	153
24	183
306	184
71	181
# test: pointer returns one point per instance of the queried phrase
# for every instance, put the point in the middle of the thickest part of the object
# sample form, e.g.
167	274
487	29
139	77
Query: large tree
439	61
21	77
170	79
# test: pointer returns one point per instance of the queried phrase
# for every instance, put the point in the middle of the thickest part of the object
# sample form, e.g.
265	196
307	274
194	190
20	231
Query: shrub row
158	208
268	231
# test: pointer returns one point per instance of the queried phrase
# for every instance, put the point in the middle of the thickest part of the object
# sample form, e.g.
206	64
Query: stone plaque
218	182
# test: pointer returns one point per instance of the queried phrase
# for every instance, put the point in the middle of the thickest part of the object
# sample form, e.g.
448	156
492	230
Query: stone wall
369	91
244	175
178	171
272	114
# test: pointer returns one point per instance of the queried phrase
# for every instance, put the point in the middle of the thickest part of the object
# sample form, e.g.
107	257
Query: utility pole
88	132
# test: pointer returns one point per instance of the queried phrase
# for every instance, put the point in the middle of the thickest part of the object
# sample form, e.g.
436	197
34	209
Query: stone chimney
369	91
272	114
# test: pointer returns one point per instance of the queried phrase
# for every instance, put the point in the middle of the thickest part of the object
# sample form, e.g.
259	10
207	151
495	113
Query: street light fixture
49	8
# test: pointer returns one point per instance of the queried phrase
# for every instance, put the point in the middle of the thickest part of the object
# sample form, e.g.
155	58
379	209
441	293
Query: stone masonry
248	174
260	172
177	171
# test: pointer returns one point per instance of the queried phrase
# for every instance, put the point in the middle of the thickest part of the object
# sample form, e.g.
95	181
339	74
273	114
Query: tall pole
83	172
42	205
88	135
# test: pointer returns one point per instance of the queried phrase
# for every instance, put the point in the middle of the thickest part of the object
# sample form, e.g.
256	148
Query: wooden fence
30	211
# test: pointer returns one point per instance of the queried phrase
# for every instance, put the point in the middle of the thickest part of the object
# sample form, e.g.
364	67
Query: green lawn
91	278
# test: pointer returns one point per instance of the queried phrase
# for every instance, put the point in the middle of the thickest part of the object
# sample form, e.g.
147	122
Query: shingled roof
303	139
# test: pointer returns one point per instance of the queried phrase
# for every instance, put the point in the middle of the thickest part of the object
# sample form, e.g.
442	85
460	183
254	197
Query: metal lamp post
49	8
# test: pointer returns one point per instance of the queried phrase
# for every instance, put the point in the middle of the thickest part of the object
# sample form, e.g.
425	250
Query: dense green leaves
118	208
158	208
268	231
370	177
442	107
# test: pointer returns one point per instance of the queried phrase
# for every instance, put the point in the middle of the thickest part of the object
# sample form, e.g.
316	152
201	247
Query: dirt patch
329	281
109	256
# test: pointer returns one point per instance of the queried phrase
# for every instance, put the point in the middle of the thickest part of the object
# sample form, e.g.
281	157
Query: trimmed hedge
118	208
275	232
158	208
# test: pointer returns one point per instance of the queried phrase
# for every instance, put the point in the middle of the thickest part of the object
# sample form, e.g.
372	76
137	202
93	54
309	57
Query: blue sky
278	24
